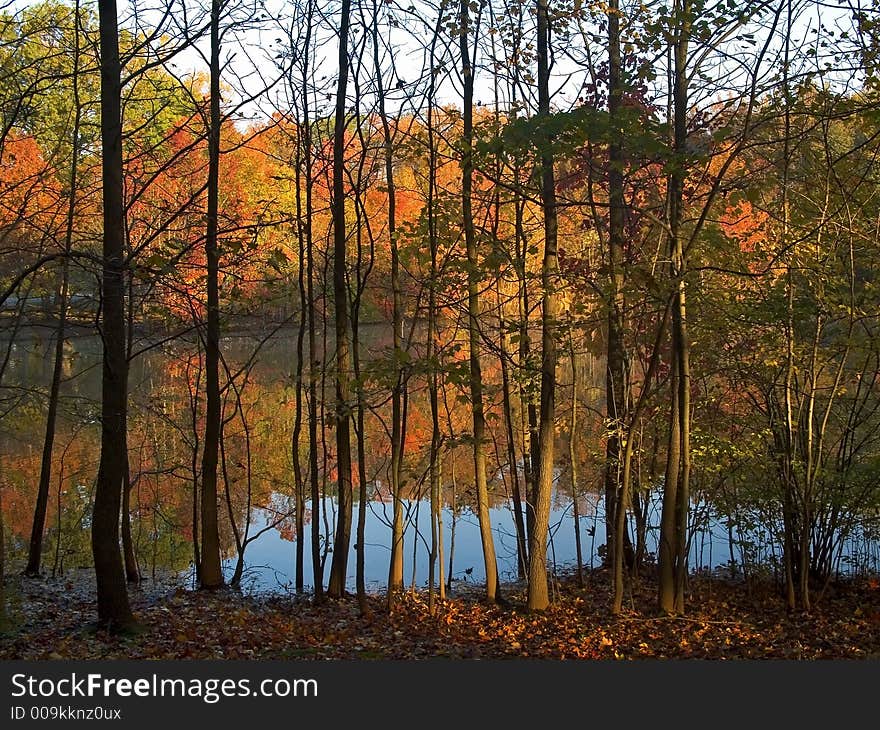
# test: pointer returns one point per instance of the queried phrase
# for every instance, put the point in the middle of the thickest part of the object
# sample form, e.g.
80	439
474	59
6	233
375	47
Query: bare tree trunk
538	596
454	520
616	396
299	484
435	466
474	335
395	570
572	454
36	544
667	548
114	611
39	522
212	571
314	361
338	567
194	466
789	486
518	519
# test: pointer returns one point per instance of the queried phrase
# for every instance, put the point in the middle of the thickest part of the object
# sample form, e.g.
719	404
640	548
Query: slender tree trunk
432	354
194	465
132	571
360	553
114	611
676	497
683	495
572	454
212	570
474	334
790	480
338	567
298	481
452	508
538	596
518	518
616	397
395	570
36	544
314	361
39	522
681	343
666	551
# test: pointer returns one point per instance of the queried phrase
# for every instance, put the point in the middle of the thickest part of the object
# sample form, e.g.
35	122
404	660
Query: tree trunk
435	466
572	455
616	396
474	335
395	570
39	523
518	518
538	596
339	564
132	571
35	550
212	571
314	360
114	611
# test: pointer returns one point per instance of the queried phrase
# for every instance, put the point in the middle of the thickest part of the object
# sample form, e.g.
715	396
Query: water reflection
165	428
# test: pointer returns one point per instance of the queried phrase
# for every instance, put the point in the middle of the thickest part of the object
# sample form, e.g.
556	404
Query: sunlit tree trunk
474	329
395	571
673	534
616	395
538	595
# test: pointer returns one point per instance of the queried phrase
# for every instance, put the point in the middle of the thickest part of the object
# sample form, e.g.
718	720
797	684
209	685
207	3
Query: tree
39	522
538	598
473	306
336	587
211	570
114	611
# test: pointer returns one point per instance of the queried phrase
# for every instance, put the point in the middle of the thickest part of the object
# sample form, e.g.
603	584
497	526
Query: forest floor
54	619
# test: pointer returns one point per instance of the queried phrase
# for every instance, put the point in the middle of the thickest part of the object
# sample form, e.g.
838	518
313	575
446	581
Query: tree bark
114	611
538	596
39	523
474	333
395	571
616	396
211	574
339	564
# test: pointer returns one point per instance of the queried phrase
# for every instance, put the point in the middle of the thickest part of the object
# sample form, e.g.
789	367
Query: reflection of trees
164	449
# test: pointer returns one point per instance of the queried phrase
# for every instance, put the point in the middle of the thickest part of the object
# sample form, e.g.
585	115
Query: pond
165	428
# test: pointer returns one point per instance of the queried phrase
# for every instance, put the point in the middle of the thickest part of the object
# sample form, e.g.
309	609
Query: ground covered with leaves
54	619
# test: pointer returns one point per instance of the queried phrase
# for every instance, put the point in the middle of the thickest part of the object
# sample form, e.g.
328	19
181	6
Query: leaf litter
54	619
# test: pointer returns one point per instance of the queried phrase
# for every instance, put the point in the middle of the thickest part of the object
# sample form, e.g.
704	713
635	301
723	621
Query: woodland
274	268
